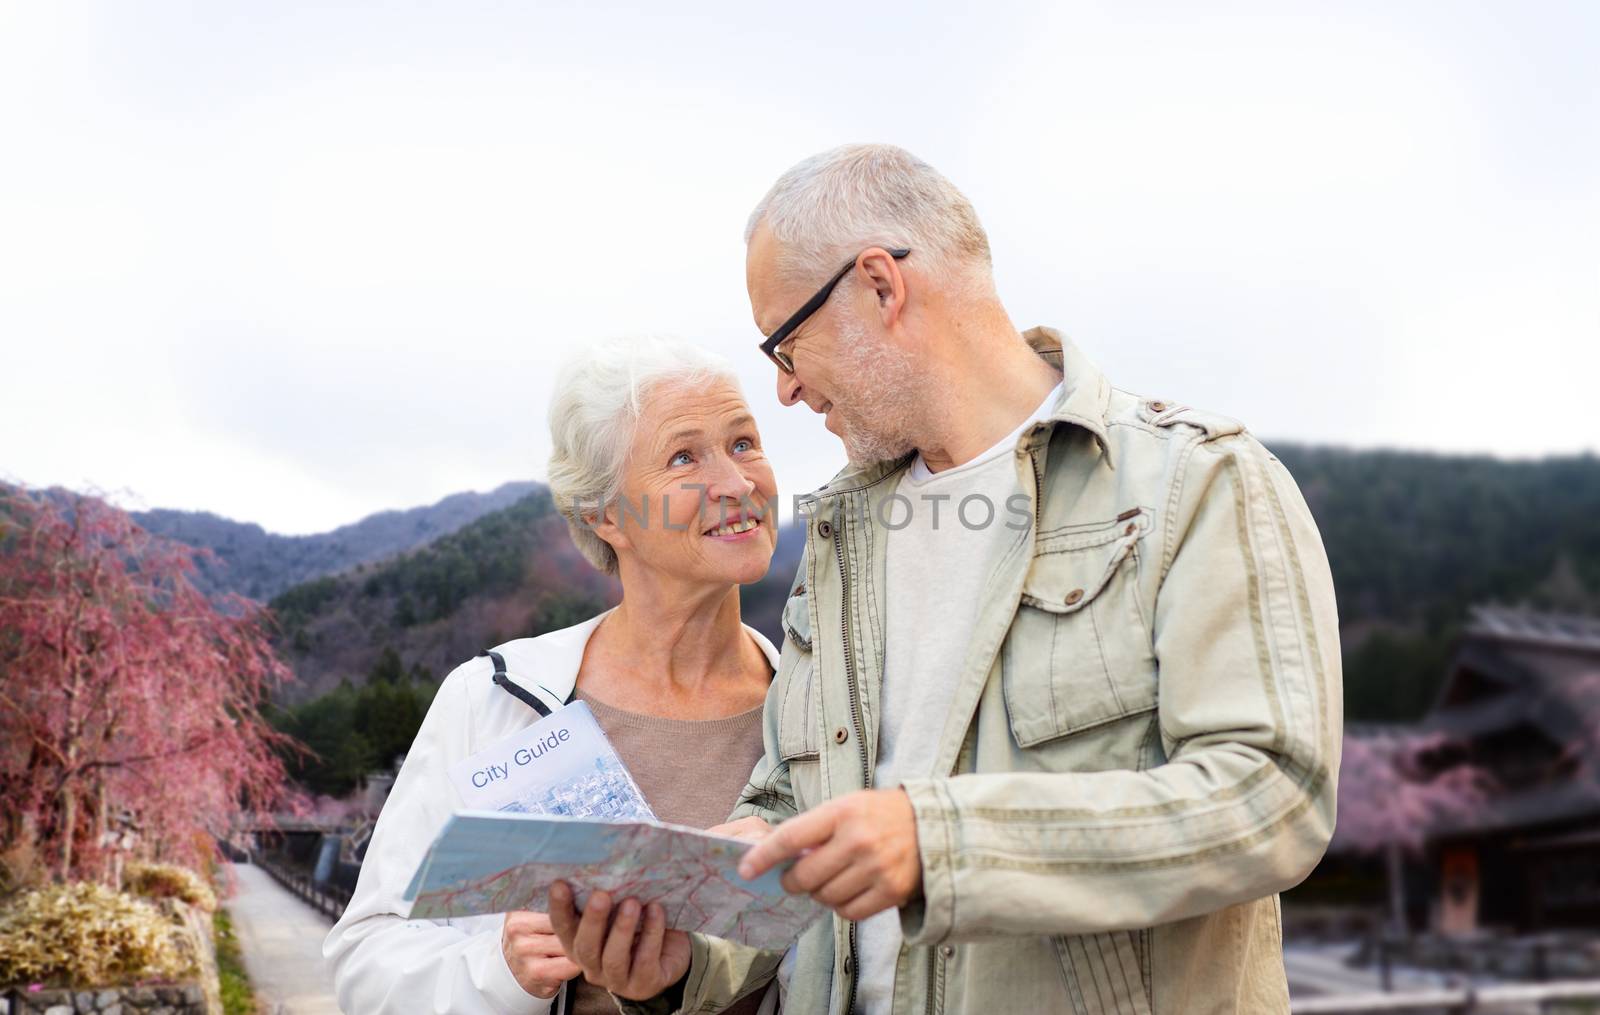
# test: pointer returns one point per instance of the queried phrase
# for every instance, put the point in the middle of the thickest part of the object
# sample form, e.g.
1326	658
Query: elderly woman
658	469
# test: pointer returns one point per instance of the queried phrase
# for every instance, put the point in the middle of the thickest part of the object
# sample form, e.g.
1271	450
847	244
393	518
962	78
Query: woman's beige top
691	772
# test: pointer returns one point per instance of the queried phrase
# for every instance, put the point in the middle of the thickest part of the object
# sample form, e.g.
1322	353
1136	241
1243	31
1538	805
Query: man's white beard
879	386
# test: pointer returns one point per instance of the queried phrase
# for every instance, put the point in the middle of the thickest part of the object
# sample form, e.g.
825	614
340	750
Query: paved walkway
281	938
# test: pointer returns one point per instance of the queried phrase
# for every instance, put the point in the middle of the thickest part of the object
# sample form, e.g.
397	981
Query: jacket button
847	965
1158	406
1074	596
840	735
825	529
947	951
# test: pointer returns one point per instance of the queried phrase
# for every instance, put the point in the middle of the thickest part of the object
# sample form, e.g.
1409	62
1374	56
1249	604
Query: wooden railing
329	900
1452	999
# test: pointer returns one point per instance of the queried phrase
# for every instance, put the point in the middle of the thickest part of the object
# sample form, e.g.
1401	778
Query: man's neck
989	385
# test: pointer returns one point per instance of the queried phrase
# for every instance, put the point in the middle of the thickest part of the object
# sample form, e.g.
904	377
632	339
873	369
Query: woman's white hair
831	206
599	396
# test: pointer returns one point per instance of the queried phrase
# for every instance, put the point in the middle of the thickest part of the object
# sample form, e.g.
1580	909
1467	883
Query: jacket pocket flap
798	736
797	618
1071	566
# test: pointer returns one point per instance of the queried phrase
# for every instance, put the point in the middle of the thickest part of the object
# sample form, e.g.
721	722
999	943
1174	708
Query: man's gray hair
600	394
831	206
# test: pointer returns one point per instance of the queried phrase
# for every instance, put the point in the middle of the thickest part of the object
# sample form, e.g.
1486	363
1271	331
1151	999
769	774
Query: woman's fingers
560	968
537	946
534	954
751	828
539	923
544	977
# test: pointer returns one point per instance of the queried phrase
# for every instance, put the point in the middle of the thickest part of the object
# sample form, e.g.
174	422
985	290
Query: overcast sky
295	263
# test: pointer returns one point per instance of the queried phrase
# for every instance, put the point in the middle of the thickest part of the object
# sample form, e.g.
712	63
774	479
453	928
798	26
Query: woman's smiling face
698	498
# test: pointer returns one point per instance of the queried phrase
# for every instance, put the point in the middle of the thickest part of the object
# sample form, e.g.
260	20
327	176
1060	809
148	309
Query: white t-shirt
946	537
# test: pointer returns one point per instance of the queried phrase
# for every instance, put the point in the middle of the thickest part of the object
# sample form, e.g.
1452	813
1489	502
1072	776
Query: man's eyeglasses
770	346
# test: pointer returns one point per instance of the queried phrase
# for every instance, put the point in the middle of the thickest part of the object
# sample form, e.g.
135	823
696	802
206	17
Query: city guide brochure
554	802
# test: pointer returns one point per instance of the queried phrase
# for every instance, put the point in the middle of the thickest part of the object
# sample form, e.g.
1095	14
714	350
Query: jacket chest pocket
1078	653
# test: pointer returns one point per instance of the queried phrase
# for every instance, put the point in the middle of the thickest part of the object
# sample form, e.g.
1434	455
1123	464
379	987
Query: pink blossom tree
129	703
1389	802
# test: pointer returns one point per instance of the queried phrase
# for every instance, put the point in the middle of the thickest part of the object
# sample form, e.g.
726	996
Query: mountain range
247	559
1414	540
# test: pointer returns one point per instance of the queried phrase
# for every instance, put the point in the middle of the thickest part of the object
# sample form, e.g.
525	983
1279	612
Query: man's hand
753	828
858	853
534	953
602	942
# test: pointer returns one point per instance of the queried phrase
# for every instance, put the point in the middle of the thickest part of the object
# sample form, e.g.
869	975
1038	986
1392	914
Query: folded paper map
491	862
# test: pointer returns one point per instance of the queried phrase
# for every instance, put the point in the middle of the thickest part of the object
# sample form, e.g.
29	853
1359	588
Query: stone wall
174	999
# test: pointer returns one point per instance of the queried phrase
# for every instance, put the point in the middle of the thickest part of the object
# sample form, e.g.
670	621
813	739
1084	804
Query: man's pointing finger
803	831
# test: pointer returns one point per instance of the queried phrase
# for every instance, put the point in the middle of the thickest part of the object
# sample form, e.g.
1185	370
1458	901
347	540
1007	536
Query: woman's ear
604	524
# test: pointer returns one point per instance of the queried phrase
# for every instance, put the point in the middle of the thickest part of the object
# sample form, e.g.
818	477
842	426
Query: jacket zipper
861	740
855	719
1038	490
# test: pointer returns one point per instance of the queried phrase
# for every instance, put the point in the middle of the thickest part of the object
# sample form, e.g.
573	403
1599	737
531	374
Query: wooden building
1521	701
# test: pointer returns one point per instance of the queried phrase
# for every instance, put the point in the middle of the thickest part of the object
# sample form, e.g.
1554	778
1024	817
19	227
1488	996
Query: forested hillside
510	573
1414	539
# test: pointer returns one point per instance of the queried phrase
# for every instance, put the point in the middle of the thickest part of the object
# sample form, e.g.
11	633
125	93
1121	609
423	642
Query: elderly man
1058	711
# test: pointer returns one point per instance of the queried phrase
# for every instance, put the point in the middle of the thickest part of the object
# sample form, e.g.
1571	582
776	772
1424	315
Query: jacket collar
548	665
1087	394
1084	402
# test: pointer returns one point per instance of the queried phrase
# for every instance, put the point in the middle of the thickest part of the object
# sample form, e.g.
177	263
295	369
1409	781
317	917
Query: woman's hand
534	953
602	941
752	828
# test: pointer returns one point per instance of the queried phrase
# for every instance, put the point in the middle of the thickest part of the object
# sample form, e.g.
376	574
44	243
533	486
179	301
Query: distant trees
488	557
510	574
355	729
352	732
129	703
1415	539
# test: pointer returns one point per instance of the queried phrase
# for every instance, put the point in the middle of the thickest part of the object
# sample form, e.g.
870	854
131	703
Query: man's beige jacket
1145	739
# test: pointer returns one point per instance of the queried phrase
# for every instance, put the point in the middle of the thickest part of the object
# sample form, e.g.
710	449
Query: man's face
845	368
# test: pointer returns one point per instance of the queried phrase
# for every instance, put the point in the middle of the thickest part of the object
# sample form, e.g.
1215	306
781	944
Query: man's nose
788	388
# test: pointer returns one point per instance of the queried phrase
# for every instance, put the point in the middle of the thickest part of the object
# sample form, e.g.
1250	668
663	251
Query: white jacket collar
548	665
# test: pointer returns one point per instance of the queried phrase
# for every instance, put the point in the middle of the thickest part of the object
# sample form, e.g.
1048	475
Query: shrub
237	998
83	934
168	881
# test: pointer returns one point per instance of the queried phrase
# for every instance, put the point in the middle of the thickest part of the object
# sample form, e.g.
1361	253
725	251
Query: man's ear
882	274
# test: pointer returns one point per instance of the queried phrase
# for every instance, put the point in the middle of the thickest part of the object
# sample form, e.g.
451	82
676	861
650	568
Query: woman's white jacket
385	964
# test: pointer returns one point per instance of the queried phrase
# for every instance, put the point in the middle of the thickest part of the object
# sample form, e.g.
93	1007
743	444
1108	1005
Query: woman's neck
673	642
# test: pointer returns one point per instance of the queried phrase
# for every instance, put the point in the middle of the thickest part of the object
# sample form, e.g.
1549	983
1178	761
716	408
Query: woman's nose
727	481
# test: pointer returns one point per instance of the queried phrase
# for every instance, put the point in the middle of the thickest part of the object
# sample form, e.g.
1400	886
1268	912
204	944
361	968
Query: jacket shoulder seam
1169	546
